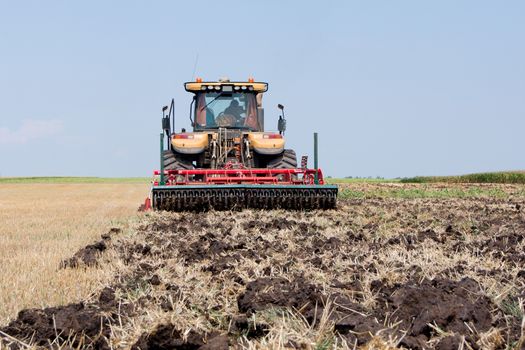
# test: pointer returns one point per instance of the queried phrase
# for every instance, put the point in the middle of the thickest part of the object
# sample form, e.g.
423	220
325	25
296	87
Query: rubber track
181	199
172	163
287	160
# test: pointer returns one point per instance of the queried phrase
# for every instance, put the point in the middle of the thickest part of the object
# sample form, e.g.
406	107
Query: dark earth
417	274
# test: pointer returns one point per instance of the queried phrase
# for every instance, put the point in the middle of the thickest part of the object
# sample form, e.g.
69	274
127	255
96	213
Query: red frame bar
241	176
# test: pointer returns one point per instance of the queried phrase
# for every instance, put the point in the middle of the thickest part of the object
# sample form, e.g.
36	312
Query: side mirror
281	125
166	124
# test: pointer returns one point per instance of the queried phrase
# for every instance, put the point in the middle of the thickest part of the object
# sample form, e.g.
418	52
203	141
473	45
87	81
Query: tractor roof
200	85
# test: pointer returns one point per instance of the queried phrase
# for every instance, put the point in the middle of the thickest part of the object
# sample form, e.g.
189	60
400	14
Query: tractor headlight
203	87
184	136
243	87
272	136
217	87
210	87
237	88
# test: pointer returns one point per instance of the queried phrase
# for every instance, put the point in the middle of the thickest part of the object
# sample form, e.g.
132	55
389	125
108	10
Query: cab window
236	110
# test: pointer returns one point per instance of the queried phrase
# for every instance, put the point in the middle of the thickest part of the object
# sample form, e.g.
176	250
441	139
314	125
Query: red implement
241	176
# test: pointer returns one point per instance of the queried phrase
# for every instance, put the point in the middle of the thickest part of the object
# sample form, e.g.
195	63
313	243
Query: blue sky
394	88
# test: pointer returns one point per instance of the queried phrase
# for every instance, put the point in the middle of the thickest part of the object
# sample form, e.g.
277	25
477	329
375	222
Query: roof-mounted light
251	80
198	80
236	86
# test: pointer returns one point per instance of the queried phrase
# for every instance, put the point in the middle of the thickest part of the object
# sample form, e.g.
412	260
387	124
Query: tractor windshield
229	110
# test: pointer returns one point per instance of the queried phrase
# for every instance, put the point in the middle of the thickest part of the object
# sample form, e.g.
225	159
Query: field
42	222
510	177
73	180
395	266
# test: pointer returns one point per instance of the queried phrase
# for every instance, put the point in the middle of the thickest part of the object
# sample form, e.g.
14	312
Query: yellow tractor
228	160
228	130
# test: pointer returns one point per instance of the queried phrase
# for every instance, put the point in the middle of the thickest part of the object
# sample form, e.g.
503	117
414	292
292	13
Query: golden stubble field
42	224
395	266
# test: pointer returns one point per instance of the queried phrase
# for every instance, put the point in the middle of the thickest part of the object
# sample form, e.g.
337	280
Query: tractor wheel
174	161
286	160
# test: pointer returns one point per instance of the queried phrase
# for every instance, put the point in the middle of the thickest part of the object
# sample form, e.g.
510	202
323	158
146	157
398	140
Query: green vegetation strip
60	179
504	178
410	193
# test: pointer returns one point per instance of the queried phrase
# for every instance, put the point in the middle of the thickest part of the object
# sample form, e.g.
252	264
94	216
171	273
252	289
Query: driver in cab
235	110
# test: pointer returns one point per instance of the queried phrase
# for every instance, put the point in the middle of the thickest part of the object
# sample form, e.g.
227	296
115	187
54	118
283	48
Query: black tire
174	161
286	160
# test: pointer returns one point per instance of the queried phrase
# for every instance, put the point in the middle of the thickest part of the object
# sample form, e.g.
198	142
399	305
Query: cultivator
229	161
222	189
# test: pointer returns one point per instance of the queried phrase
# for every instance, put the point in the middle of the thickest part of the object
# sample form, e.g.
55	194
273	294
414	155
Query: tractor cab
225	104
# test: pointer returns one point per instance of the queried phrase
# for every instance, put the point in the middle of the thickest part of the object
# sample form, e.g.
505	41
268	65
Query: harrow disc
231	197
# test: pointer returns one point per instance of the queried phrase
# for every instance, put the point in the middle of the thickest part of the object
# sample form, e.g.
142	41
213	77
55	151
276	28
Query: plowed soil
375	273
